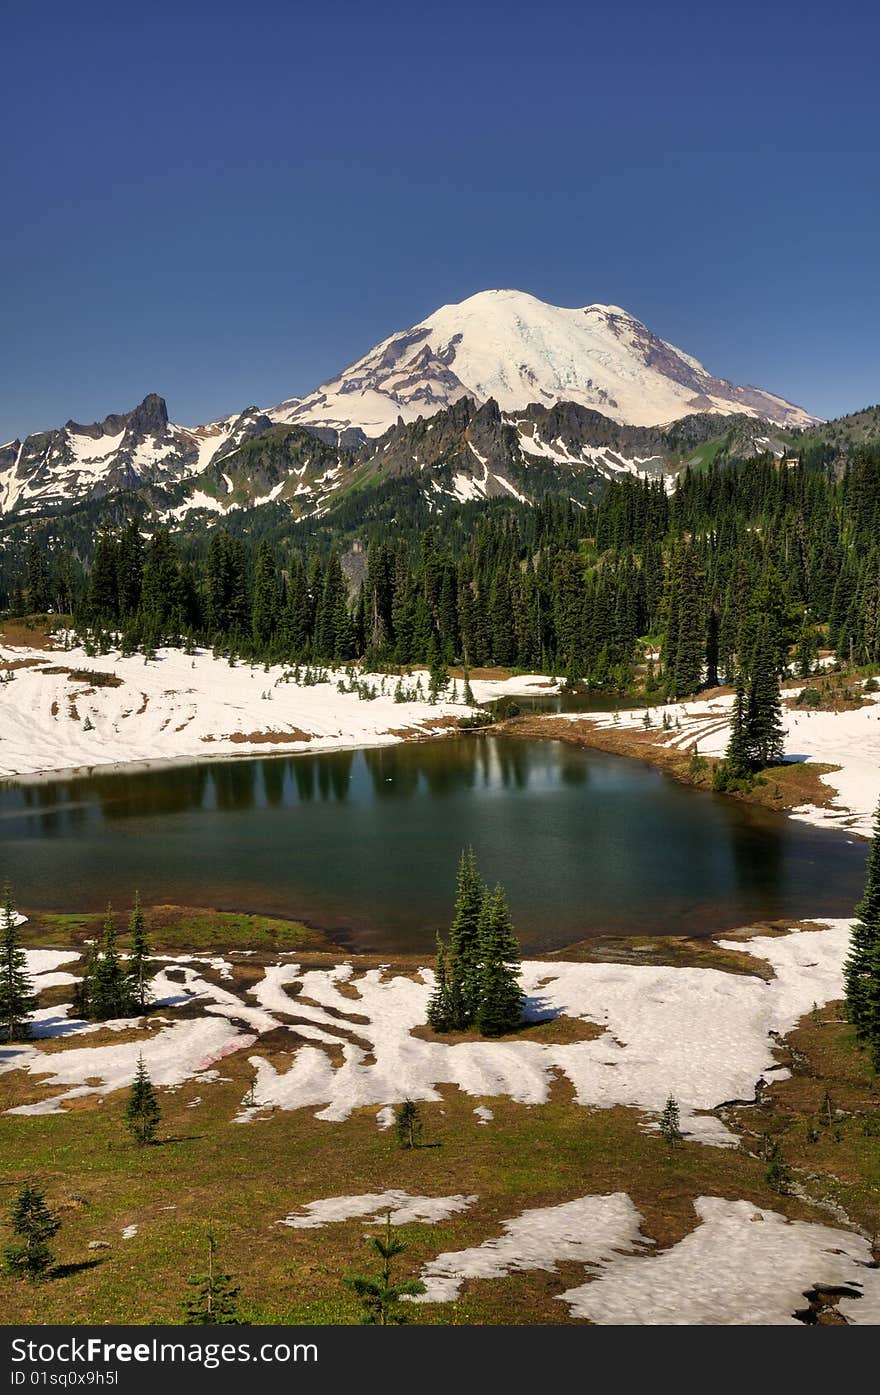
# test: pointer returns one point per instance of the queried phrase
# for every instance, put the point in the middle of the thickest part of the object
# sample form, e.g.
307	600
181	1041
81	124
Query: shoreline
587	733
164	714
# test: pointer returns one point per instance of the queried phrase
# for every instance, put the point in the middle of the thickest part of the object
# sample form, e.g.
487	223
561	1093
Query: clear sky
228	202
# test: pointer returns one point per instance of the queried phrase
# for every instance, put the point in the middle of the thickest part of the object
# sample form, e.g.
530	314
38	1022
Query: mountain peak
508	345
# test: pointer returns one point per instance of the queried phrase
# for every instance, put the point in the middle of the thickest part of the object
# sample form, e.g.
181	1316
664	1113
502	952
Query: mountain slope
511	347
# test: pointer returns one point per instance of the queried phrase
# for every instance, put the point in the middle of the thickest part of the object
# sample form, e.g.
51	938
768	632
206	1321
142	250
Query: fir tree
107	990
265	607
439	1007
766	734
408	1124
862	969
138	990
499	1004
17	999
738	756
379	1294
670	1122
34	1225
464	966
214	1299
142	1112
82	993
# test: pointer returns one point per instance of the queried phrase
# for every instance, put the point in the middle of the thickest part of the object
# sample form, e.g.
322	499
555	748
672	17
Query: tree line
563	587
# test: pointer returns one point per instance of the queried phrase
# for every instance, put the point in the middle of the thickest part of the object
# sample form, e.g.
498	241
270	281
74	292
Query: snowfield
850	740
701	1034
704	1035
591	1230
193	707
742	1266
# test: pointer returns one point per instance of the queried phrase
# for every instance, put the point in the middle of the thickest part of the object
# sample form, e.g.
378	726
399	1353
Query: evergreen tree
37	577
778	1173
214	1297
408	1124
862	969
265	608
82	993
107	991
499	1005
670	1122
142	1112
34	1225
766	734
439	1009
464	965
17	999
738	755
379	1294
138	989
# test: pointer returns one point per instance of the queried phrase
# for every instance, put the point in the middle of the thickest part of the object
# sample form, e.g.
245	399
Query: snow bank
377	1205
592	1230
181	706
741	1266
703	1035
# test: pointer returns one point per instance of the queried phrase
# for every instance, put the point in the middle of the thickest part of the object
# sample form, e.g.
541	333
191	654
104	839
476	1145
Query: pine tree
464	965
17	999
408	1124
108	986
862	969
214	1300
499	1004
82	993
439	1008
379	1295
265	607
37	576
670	1122
766	734
34	1225
738	756
142	1112
138	989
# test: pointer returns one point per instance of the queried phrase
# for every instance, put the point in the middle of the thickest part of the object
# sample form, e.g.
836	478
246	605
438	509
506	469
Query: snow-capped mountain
509	387
517	350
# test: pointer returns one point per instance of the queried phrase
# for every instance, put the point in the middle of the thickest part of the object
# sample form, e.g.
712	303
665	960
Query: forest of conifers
562	587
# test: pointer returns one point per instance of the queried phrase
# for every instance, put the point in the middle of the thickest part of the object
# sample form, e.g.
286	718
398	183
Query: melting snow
376	1205
741	1266
592	1230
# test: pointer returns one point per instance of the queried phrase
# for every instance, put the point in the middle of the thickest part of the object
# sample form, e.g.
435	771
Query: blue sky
226	203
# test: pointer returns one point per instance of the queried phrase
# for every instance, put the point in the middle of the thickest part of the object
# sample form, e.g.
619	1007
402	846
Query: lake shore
65	713
830	778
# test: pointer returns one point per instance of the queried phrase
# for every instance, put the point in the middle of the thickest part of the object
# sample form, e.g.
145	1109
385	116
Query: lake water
366	843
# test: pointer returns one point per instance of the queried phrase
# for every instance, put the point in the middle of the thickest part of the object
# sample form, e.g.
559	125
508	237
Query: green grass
177	928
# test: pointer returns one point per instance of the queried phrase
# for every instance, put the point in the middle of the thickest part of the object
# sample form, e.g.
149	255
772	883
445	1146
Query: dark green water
367	843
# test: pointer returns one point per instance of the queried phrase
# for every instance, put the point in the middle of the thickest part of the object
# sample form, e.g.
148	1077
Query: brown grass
260	738
31	632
